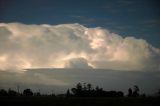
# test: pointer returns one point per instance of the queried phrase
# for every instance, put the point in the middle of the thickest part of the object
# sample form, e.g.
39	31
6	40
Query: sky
120	37
139	18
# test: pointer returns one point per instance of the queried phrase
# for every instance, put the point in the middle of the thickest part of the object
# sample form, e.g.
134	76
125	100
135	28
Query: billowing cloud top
72	46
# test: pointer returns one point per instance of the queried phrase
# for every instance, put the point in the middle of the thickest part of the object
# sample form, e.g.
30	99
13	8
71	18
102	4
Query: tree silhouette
158	93
68	93
27	92
136	91
78	90
129	92
84	87
89	91
79	87
3	92
89	87
12	92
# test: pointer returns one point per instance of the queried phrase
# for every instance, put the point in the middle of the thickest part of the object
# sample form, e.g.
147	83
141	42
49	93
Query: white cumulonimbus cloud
72	46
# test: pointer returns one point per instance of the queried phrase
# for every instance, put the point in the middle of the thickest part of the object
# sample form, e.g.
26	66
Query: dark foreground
77	101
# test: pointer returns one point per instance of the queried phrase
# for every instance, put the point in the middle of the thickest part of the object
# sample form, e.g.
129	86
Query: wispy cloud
125	2
152	23
83	18
119	6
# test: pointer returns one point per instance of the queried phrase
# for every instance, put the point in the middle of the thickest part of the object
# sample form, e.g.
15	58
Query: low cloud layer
59	80
72	46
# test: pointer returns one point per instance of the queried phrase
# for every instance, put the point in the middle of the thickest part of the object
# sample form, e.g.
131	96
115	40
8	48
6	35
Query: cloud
59	80
33	80
79	63
125	2
74	46
151	23
83	18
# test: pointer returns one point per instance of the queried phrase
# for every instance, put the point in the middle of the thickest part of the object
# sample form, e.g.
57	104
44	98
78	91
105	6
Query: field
77	101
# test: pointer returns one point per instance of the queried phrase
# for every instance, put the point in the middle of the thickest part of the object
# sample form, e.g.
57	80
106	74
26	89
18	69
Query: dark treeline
80	90
26	92
86	90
